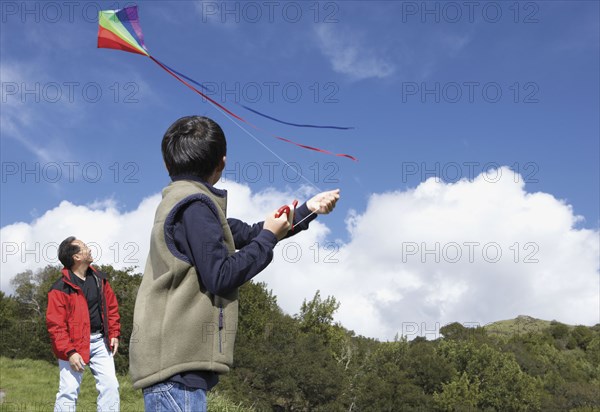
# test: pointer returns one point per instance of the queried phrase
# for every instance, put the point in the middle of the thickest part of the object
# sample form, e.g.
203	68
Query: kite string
307	216
271	151
280	158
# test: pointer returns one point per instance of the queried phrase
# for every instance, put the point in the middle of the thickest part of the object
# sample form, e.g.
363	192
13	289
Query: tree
257	308
262	375
8	321
28	336
581	337
316	316
279	364
427	368
560	333
31	290
501	383
459	394
125	285
384	384
456	331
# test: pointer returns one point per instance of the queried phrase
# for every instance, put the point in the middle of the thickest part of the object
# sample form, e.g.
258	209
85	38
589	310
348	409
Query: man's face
85	254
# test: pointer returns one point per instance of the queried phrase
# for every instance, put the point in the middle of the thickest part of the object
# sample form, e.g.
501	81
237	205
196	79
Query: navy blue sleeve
243	233
199	236
301	213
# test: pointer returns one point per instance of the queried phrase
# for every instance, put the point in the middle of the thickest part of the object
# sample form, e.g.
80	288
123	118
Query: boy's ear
221	166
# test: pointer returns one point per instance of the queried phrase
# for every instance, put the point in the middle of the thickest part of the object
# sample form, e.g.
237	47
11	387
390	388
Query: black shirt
92	295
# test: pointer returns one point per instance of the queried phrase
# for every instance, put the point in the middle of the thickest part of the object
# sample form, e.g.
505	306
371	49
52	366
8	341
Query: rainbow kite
120	29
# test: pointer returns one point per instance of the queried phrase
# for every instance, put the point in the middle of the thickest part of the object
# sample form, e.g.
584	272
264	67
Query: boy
186	311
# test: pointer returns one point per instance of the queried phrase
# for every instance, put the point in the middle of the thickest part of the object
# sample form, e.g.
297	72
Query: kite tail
224	109
256	111
316	148
165	68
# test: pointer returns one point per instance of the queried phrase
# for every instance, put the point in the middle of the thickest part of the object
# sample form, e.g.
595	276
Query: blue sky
365	63
431	88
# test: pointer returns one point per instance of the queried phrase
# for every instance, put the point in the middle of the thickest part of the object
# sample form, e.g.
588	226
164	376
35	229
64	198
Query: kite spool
289	210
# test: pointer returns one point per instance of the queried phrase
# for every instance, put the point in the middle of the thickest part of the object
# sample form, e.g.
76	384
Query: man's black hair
193	145
66	250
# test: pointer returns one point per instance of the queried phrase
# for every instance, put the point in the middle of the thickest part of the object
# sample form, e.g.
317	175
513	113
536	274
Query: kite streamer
120	30
256	111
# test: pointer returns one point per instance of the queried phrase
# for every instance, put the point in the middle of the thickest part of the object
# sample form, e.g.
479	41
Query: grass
31	385
519	325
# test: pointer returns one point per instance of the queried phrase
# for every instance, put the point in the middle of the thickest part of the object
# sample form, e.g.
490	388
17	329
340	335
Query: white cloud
116	238
388	280
348	55
473	252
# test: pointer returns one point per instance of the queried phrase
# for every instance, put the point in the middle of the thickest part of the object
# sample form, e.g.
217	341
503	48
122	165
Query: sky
475	197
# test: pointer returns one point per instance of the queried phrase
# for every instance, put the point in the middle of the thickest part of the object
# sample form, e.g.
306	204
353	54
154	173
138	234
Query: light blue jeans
102	366
174	397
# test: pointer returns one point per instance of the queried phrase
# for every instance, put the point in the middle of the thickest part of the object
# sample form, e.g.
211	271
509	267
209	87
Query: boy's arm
243	233
199	236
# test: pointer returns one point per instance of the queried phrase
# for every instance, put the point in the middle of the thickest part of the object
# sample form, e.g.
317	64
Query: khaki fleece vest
178	325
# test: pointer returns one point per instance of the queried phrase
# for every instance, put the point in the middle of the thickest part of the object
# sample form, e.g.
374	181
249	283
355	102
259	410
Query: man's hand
114	344
278	226
77	363
324	202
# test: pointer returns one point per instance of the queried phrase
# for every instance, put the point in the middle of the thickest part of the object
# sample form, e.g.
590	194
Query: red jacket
68	318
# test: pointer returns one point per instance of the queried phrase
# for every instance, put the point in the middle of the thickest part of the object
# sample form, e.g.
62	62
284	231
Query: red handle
283	209
286	209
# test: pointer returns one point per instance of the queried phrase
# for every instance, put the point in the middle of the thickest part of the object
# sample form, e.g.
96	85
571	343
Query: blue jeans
173	396
103	369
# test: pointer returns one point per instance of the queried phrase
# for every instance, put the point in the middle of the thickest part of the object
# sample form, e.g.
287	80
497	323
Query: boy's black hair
193	145
66	250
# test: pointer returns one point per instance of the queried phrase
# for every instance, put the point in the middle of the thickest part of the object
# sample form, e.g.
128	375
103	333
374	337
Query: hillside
308	362
521	324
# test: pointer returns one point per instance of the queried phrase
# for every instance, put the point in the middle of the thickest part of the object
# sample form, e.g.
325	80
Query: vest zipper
221	323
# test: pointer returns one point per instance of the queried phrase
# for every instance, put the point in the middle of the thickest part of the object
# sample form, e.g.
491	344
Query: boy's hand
324	202
278	226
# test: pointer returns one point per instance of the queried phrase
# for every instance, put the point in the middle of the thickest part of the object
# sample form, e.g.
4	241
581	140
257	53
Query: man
84	325
186	311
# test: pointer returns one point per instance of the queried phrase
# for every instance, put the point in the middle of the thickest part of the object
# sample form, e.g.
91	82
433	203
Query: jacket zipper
100	285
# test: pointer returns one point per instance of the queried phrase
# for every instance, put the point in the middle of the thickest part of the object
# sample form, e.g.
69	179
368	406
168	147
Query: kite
121	30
